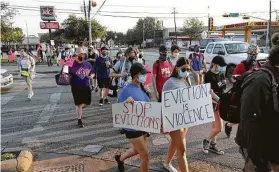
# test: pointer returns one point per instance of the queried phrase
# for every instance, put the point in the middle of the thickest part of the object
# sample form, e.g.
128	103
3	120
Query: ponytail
144	90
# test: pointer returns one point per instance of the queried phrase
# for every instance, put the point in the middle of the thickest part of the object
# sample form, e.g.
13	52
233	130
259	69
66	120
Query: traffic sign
49	25
234	15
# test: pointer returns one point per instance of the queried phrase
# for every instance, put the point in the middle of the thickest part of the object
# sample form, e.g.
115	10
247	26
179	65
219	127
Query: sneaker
214	149
169	167
96	90
80	124
101	102
107	101
205	146
120	163
30	95
228	130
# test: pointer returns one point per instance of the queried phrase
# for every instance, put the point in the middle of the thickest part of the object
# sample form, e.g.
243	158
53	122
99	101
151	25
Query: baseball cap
104	48
219	60
138	68
162	48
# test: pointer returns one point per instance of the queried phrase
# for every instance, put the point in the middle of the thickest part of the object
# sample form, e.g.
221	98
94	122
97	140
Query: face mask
220	69
277	66
175	55
182	74
140	56
104	53
163	56
142	78
80	58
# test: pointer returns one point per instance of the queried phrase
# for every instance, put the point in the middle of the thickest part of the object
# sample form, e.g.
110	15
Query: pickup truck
233	52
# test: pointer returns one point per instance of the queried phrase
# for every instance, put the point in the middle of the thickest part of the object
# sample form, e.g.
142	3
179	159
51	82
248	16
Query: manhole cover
67	168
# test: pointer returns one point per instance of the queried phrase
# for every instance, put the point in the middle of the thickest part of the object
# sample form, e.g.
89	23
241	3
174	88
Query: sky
184	9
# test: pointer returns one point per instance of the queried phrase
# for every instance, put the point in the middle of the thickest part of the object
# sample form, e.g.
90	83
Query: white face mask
175	55
277	66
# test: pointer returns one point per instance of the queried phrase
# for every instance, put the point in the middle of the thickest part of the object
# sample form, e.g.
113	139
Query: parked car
233	52
205	42
6	78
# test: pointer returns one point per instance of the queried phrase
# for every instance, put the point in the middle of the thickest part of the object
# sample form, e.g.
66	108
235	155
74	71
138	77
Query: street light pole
269	25
89	24
175	24
27	34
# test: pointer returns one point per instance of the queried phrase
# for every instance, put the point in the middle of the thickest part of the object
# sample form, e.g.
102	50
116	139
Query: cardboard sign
187	107
143	116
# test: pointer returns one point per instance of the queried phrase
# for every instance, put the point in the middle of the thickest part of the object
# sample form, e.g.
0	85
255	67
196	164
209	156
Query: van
205	42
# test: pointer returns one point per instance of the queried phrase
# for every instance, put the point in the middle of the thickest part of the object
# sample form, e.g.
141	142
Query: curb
22	163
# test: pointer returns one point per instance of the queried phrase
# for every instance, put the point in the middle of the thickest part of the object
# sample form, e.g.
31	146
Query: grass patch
8	156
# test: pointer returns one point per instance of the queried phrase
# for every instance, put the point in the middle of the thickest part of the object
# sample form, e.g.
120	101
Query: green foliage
7	156
193	28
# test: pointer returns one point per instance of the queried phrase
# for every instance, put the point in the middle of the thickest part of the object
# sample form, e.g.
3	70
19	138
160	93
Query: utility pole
84	9
89	23
143	27
154	38
269	24
27	34
175	24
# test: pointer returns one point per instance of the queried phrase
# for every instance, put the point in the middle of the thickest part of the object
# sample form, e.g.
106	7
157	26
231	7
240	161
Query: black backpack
229	104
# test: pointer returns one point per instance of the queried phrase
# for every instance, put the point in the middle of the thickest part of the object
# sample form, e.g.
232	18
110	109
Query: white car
6	78
233	52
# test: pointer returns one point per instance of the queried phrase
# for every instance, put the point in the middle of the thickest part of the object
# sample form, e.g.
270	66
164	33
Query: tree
193	28
149	24
118	37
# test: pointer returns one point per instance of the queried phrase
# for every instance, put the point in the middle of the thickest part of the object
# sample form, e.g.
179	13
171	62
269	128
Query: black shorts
135	134
103	82
81	95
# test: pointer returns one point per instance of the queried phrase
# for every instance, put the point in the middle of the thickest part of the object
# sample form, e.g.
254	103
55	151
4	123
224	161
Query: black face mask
140	56
80	58
131	59
163	56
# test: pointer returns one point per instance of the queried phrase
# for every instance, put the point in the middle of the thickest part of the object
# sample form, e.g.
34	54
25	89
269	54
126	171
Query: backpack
197	64
230	105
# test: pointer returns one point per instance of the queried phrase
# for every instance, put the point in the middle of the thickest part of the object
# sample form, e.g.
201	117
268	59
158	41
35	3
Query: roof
228	42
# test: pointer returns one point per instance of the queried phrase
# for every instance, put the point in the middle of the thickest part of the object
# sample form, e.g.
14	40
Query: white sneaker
30	95
169	167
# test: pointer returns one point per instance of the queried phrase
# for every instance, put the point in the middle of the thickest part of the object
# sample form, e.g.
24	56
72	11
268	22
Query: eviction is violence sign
187	107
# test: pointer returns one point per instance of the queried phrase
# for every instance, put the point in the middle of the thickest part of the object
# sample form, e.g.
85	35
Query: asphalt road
48	124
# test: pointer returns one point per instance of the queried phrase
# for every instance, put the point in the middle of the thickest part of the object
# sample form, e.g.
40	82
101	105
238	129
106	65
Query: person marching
81	72
26	67
102	67
246	65
161	72
135	91
198	66
175	50
92	56
178	142
216	78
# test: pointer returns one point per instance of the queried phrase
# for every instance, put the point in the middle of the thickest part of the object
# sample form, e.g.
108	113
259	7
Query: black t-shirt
217	81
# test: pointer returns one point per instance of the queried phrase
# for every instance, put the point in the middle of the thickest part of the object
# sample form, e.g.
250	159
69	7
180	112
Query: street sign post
49	25
234	15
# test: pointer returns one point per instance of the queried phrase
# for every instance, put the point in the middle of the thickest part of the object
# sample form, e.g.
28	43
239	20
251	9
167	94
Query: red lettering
123	119
132	120
127	109
146	106
116	119
139	106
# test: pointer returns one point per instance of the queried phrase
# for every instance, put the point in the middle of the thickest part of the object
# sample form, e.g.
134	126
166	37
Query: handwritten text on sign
143	116
186	107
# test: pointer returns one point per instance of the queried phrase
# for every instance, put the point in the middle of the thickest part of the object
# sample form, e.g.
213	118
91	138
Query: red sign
49	25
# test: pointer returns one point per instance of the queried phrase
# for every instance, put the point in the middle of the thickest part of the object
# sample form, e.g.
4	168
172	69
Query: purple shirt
80	74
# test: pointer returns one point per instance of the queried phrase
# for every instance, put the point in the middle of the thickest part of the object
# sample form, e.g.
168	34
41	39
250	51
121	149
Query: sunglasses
185	69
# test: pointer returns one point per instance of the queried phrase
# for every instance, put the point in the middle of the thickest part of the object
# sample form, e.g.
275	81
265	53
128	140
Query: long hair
180	62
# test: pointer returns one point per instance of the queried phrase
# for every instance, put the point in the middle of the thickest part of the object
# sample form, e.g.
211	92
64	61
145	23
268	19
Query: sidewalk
76	163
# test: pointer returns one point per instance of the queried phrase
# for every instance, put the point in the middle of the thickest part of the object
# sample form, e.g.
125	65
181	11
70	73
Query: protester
257	133
198	65
92	56
122	68
117	58
178	142
102	66
140	58
49	55
161	72
175	50
215	76
135	92
26	67
246	65
81	72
